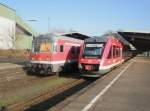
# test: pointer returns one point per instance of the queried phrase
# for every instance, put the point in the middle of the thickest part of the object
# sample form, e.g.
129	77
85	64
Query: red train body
99	55
52	53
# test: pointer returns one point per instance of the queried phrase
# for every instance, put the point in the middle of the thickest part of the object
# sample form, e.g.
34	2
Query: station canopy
140	40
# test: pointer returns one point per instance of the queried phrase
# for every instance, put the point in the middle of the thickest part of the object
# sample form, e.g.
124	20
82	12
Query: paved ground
125	89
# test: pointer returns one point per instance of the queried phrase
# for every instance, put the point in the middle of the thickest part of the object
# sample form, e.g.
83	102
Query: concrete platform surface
125	89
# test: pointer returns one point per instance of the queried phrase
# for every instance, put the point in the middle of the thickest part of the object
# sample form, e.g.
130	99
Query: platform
126	88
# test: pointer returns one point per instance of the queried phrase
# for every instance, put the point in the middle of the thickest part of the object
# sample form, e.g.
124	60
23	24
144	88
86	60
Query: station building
15	33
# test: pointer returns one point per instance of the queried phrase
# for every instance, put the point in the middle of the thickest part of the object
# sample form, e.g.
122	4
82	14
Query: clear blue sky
92	17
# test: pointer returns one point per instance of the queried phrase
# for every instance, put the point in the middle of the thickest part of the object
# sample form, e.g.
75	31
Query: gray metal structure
140	40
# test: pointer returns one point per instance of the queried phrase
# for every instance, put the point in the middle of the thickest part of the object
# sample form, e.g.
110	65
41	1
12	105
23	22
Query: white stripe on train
109	66
69	61
52	62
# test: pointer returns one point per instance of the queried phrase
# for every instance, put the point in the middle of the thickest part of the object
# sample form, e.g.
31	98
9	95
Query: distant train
99	55
51	53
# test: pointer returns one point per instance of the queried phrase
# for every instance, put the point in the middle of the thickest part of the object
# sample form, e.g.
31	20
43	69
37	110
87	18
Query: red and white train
52	53
99	55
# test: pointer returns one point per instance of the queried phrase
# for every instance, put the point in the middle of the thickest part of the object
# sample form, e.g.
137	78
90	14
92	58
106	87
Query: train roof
55	37
106	36
97	39
139	39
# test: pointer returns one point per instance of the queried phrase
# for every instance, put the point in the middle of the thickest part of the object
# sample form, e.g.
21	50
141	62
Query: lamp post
32	20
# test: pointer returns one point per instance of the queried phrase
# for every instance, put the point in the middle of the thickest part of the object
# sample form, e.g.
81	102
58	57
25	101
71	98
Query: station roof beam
140	40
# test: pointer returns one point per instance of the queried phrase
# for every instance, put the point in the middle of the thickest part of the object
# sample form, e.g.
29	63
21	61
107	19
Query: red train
52	53
99	55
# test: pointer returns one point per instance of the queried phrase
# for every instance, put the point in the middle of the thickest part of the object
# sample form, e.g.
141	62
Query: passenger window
114	51
61	48
78	50
117	52
73	50
54	47
110	53
120	50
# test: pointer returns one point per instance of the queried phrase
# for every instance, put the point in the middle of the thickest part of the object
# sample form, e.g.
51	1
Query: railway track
10	76
27	103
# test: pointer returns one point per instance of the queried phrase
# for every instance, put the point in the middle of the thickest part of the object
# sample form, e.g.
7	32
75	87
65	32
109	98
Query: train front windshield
93	50
41	45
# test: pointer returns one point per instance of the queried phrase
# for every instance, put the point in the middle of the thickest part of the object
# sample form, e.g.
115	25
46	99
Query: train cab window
61	48
93	50
43	45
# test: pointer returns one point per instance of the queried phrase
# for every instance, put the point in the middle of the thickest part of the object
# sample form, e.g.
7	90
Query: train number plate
88	67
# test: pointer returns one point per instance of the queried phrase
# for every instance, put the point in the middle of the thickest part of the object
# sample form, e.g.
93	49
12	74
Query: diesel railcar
99	55
52	53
